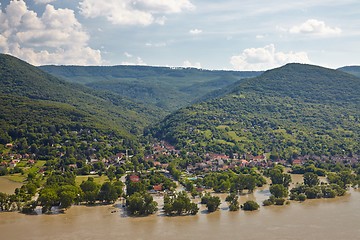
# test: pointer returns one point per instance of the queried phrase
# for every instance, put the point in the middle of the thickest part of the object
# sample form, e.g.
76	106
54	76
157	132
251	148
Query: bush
267	202
279	201
250	206
301	197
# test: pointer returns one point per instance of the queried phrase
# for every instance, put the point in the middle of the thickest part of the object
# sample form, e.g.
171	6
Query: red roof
158	187
134	178
297	162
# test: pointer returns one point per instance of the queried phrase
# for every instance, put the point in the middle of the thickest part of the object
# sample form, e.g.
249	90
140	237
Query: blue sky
226	34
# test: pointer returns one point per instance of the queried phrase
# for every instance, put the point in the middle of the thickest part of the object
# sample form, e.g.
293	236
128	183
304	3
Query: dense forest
291	111
41	111
161	87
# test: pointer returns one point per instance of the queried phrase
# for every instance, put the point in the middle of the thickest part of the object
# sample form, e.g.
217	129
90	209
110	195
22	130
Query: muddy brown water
330	219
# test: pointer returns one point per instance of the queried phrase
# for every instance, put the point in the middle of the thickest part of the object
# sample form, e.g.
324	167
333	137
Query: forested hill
36	106
354	70
289	111
163	87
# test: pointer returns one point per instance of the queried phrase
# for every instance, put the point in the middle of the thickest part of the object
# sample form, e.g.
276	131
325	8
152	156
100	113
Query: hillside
354	70
163	87
36	106
293	110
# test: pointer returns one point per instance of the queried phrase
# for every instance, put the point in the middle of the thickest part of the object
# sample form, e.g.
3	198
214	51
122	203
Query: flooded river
330	219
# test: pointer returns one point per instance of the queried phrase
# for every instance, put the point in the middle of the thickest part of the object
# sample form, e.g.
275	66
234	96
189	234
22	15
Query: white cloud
133	12
128	55
137	61
195	31
188	64
259	36
266	58
159	44
56	37
43	1
313	26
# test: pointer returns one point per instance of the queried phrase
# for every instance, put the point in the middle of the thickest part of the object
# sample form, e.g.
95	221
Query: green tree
108	193
311	179
233	201
213	203
278	191
90	190
250	206
141	204
179	204
48	197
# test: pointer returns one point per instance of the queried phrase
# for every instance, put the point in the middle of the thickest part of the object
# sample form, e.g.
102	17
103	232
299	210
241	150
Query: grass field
98	179
17	177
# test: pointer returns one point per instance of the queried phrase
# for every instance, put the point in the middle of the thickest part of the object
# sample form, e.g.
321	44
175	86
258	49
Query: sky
208	34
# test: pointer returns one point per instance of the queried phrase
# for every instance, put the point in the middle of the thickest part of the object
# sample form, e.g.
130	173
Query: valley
169	142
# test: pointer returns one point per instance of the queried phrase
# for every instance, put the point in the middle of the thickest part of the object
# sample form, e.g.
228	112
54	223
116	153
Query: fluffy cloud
313	26
133	60
133	12
43	1
195	31
188	64
266	58
54	38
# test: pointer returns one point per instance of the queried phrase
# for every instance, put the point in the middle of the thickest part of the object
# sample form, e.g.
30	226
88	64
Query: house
9	145
13	163
244	163
158	187
297	162
134	178
31	162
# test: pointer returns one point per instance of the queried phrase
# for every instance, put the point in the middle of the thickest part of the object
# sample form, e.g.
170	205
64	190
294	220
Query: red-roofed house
134	178
158	187
297	162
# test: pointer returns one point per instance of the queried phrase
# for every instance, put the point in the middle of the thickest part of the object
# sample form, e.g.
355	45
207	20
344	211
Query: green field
98	179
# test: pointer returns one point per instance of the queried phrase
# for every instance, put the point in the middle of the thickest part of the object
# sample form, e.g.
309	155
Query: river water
328	219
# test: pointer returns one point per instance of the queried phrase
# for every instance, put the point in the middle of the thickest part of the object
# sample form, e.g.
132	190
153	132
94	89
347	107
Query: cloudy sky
210	34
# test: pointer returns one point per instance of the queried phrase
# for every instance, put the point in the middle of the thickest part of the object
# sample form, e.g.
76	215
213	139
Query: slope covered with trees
163	87
37	108
290	111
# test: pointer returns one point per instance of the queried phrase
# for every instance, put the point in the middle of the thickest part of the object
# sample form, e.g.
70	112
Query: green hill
163	87
37	108
354	70
293	110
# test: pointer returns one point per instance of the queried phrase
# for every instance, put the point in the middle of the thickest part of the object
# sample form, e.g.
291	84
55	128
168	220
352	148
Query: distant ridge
164	87
354	70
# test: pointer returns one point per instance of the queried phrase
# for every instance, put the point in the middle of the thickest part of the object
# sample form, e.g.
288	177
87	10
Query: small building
134	178
297	162
158	187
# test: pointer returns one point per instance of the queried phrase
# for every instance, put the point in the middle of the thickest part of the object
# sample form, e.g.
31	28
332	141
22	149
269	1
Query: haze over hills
354	70
33	101
289	111
163	87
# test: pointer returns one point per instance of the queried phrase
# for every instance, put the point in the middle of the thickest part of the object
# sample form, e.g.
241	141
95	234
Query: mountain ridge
293	110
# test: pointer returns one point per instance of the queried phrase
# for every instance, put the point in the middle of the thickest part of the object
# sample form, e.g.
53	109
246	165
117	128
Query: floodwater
7	186
330	219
